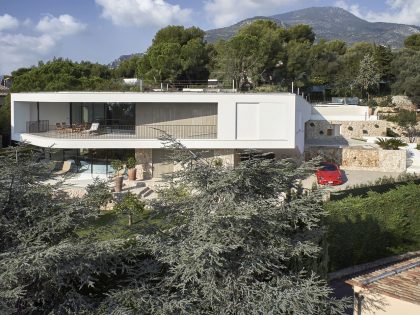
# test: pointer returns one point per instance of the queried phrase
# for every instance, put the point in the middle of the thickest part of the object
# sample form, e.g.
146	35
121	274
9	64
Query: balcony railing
37	126
42	128
177	131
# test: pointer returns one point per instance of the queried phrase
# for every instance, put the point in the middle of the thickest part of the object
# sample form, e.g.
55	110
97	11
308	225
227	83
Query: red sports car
329	174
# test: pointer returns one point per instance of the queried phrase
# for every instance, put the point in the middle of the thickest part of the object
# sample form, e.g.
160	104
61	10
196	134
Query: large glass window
104	113
120	114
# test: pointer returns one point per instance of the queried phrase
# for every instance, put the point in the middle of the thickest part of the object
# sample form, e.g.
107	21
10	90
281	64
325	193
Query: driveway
353	177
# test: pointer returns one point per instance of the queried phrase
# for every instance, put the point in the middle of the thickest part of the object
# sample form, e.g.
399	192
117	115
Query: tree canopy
261	54
229	244
413	42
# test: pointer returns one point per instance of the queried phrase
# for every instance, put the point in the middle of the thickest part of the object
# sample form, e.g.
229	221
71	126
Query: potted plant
118	166
131	165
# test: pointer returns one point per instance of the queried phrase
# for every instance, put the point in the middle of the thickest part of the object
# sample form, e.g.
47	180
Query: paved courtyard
353	177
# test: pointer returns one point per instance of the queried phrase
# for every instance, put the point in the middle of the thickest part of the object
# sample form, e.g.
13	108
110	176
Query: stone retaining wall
361	158
318	129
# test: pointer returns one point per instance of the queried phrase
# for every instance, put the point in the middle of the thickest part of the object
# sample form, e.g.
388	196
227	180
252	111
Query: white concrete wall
54	112
302	115
20	114
275	119
340	112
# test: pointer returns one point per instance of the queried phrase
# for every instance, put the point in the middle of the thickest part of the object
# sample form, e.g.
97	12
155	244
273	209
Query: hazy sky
102	30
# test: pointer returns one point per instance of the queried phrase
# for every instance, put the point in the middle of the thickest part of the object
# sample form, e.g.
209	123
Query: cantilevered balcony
151	131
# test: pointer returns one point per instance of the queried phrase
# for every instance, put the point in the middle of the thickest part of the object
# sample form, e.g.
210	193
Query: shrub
418	147
403	118
386	102
117	165
372	103
363	229
391	133
129	205
390	144
131	162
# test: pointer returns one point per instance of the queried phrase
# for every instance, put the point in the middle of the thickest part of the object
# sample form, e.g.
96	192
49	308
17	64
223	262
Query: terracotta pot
132	174
118	183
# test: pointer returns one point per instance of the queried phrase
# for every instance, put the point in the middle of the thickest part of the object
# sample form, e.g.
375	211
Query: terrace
111	131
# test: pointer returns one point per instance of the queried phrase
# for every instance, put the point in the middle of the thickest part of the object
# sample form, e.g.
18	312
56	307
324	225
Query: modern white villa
92	128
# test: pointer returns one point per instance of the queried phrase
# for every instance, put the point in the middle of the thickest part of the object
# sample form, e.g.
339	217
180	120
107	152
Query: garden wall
362	158
318	129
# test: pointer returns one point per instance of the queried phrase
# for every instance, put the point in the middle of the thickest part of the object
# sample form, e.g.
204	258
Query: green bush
386	102
131	162
363	229
418	147
403	118
372	103
391	133
390	144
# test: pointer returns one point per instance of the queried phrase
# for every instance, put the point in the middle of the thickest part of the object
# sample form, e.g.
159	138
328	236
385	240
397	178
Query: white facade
244	120
341	113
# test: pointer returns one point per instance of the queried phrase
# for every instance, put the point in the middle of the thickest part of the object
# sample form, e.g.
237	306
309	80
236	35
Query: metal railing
37	126
177	131
122	131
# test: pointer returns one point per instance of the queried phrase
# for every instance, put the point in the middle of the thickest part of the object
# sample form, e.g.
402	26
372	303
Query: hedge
363	229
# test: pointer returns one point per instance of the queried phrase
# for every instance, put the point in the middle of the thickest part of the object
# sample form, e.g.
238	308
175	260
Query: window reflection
103	113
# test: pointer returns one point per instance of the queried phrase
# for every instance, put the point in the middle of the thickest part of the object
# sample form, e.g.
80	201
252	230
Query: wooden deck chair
66	167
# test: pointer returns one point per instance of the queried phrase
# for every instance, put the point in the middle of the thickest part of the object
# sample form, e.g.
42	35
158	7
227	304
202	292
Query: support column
144	163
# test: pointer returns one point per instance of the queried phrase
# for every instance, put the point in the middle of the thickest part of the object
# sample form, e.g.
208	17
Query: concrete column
144	163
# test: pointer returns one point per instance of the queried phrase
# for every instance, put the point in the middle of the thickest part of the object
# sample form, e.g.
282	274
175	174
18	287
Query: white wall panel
275	121
247	121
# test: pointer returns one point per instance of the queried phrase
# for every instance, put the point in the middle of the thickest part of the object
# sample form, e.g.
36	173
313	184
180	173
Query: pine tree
244	240
369	75
45	267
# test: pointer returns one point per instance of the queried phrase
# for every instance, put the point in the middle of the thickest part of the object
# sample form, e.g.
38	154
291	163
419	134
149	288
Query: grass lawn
111	224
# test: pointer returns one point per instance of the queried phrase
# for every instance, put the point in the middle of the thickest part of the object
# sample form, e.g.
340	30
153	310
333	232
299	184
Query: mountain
227	32
331	23
114	64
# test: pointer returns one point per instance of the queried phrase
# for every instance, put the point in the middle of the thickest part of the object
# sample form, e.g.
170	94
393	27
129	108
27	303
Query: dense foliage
64	75
261	56
363	229
390	144
231	244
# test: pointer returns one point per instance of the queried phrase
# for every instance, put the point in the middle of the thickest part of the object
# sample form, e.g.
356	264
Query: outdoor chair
58	127
94	128
65	169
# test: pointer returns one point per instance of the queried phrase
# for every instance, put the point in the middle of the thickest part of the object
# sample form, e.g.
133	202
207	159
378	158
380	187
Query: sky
102	30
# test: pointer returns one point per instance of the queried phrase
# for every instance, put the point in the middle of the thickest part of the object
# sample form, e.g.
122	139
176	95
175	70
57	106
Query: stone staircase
145	192
139	188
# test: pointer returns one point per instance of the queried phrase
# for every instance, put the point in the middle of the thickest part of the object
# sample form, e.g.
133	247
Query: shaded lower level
150	163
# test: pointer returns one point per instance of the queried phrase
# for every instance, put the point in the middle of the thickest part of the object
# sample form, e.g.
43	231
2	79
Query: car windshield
328	167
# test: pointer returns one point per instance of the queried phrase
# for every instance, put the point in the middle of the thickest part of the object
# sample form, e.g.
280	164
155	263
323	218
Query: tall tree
413	42
246	241
349	68
383	57
406	68
369	75
45	266
177	54
252	54
324	61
